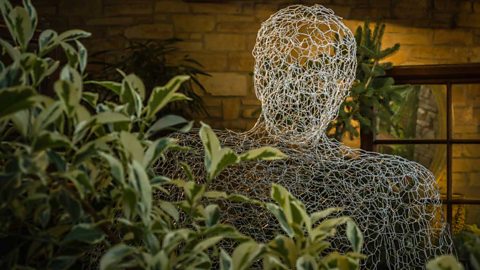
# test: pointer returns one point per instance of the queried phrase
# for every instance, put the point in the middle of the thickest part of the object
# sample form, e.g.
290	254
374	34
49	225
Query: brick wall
221	35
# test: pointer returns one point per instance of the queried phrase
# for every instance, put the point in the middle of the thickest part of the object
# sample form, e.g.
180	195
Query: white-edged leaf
226	262
263	153
132	146
245	254
161	96
114	256
166	122
116	167
355	236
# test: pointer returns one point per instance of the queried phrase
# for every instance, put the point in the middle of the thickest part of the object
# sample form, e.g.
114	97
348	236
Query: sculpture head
305	62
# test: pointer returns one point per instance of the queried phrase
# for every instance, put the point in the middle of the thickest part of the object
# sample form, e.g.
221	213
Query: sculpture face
304	66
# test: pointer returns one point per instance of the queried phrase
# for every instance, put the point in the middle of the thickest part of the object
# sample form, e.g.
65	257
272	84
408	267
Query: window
440	128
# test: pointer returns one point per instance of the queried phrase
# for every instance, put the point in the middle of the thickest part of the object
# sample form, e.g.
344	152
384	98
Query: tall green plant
77	180
372	93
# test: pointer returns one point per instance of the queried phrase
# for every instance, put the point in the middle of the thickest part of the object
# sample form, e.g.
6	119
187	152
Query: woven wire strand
304	65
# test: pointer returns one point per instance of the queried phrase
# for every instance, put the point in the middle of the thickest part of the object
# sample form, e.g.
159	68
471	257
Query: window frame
447	75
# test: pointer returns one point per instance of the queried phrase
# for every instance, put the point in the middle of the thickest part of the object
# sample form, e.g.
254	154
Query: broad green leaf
132	146
307	262
207	243
166	122
21	28
284	247
324	213
71	75
263	153
71	54
212	215
273	263
70	204
62	262
15	99
116	167
194	192
157	149
444	262
82	56
115	87
114	257
110	117
92	148
282	219
47	41
48	116
21	122
170	209
73	34
225	261
139	180
245	254
85	233
216	157
13	52
355	236
161	96
69	95
130	96
91	98
51	140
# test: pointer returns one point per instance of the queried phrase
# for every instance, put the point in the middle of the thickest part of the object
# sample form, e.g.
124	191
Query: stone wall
221	35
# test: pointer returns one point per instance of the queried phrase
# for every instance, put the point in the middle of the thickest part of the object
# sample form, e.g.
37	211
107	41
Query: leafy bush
467	244
372	93
77	180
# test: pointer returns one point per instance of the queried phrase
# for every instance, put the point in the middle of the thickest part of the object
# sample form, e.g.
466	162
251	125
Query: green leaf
216	158
132	146
114	257
355	236
48	116
15	99
207	243
444	262
285	248
212	215
70	204
47	41
282	219
91	98
166	122
62	262
21	27
110	117
73	34
139	180
263	153
82	56
130	94
245	254
116	167
306	262
51	140
85	233
157	149
226	262
170	209
115	87
161	96
324	213
69	95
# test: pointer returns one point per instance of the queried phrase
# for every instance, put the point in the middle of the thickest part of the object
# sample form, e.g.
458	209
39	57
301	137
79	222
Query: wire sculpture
305	62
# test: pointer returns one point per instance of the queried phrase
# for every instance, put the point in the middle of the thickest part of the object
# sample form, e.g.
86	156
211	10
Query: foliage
467	244
372	93
444	262
151	61
77	176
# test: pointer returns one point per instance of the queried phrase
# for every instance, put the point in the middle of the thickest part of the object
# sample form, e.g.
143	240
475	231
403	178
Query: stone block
264	11
211	101
234	18
240	62
211	61
140	8
230	109
171	7
104	21
149	31
251	101
216	8
238	27
187	46
468	20
225	84
452	37
225	42
194	23
91	8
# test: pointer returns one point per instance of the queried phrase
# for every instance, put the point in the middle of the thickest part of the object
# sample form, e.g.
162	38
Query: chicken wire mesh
304	66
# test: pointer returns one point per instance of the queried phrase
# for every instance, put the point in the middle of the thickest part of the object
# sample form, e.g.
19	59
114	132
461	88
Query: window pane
432	156
466	111
464	214
420	115
466	171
